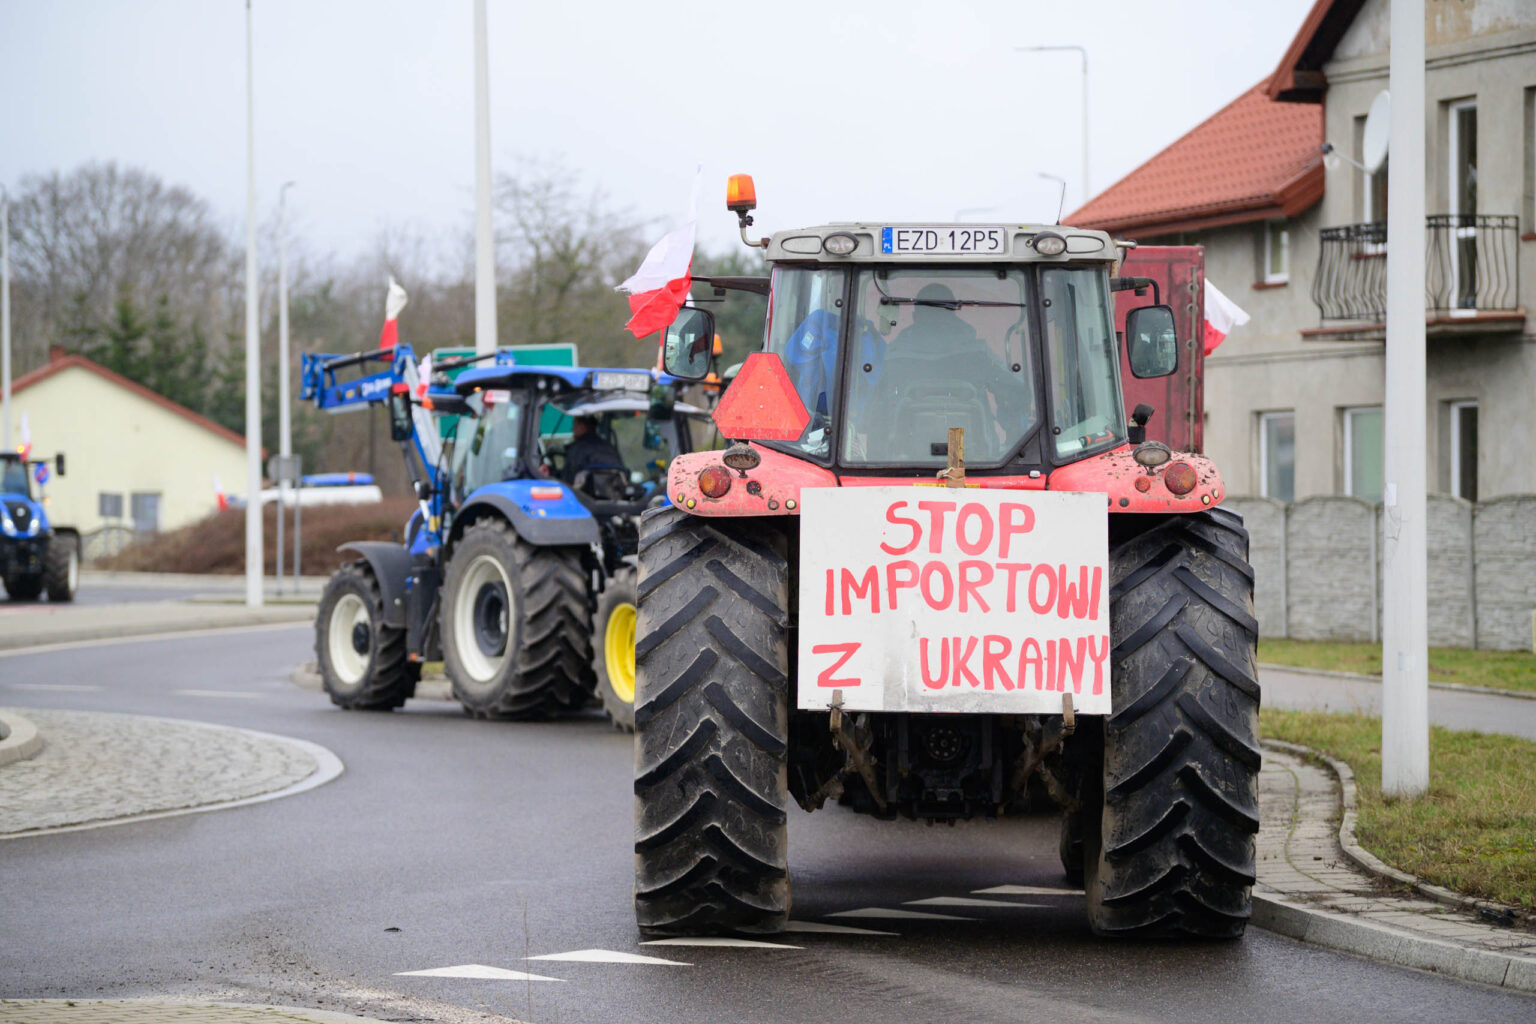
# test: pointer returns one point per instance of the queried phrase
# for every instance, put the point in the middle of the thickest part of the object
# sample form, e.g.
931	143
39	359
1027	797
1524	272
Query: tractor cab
15	481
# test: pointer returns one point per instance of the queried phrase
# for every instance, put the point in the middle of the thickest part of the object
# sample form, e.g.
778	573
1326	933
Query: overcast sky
841	109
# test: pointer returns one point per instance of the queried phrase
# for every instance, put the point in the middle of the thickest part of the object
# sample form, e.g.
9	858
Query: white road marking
892	912
966	901
719	940
56	687
825	928
235	694
607	956
476	971
1026	890
178	634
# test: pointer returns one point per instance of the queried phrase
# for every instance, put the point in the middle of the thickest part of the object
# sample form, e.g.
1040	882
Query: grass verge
1499	670
1474	831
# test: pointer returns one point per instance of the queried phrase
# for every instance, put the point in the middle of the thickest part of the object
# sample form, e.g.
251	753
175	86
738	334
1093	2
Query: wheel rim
619	652
482	618
350	623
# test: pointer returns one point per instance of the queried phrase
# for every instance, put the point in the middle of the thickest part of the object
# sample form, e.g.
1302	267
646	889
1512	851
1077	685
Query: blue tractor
35	555
531	481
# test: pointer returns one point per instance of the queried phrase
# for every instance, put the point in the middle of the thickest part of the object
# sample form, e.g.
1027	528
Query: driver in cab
588	451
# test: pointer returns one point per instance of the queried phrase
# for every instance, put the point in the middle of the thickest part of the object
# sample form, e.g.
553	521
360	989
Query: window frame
1265	421
1456	407
1282	275
1348	414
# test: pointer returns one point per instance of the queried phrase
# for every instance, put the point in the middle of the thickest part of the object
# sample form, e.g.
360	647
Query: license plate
944	241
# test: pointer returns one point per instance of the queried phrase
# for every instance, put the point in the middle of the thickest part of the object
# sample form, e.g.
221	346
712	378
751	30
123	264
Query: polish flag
218	493
394	302
1221	315
658	289
424	376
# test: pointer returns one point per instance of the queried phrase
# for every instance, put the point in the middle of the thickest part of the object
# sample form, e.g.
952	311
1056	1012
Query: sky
895	110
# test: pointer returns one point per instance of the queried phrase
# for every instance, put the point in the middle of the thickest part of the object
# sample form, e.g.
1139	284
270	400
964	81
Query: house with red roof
1275	186
133	458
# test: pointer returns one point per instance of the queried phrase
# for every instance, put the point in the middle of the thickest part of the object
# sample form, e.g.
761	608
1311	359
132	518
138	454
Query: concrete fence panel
1330	579
1504	538
1450	572
1265	520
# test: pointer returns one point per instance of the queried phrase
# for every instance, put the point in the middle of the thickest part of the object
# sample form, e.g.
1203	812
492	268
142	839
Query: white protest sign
954	599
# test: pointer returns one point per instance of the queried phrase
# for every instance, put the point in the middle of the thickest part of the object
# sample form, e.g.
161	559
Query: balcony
1470	279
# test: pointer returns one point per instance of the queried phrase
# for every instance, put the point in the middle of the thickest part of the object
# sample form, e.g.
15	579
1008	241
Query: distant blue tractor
513	549
35	555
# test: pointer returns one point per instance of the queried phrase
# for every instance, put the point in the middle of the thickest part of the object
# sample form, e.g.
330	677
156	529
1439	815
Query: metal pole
1405	652
1082	52
298	531
485	247
253	539
5	320
284	429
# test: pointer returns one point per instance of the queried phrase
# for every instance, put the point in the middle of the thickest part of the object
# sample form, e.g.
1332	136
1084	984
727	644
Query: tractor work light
740	457
1048	243
1151	454
840	244
740	194
715	481
1180	477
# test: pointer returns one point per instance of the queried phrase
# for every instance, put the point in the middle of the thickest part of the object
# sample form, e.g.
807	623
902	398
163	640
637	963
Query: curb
19	739
1360	677
1498	913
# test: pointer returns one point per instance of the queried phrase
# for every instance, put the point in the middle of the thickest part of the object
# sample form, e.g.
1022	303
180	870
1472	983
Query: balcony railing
1469	267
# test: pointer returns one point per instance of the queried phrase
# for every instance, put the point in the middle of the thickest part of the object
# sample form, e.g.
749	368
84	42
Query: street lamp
485	244
5	319
284	428
253	540
1082	52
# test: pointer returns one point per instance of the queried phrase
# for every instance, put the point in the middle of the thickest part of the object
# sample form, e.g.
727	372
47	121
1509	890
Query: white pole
485	244
253	539
5	320
1083	53
284	428
1404	618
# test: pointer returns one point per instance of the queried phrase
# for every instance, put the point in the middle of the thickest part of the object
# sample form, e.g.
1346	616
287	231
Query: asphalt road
451	842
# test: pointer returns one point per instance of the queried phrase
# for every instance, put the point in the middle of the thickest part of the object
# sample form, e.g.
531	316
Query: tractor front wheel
614	629
24	586
1174	851
362	661
517	631
711	726
61	567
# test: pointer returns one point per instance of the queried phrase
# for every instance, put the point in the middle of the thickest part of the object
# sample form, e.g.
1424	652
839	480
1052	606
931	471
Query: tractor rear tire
362	662
614	632
24	586
61	567
516	626
1174	853
711	727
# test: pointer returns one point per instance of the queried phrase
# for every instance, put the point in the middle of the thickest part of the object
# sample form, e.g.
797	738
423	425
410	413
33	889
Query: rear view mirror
1152	341
58	464
688	344
399	417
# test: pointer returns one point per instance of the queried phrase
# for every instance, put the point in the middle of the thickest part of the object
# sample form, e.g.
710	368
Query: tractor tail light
1180	477
715	481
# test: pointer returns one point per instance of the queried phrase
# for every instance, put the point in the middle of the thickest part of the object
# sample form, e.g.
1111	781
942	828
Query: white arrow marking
966	901
1026	890
824	928
476	971
895	913
228	694
607	956
718	940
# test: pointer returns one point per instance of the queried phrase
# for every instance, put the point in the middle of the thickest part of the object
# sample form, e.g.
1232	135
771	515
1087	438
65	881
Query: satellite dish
1378	128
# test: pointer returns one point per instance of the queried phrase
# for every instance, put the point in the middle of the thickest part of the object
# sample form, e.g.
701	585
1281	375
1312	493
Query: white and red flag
658	289
218	493
424	376
1221	315
394	302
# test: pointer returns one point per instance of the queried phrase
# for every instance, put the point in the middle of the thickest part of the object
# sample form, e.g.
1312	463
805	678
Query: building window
109	505
1364	451
1530	161
1277	455
1277	252
1373	187
1461	182
146	512
1464	450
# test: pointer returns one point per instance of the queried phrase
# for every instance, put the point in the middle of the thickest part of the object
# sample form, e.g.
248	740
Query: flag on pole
218	493
394	302
424	376
658	289
1221	315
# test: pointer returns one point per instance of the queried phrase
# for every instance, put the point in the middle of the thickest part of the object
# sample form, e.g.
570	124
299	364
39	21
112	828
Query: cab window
804	321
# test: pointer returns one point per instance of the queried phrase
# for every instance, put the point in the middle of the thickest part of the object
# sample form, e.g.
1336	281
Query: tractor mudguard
771	488
391	565
541	521
1135	488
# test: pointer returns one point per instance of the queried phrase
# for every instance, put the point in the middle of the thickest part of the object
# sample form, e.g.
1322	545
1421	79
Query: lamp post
284	428
254	561
1082	52
5	319
485	251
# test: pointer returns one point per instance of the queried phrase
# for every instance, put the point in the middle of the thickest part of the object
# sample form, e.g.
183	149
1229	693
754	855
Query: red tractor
939	568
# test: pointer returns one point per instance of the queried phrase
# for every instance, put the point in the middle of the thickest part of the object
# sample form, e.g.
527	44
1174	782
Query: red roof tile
1252	160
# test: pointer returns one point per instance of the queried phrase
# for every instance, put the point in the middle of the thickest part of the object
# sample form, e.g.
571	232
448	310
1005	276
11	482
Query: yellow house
133	458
